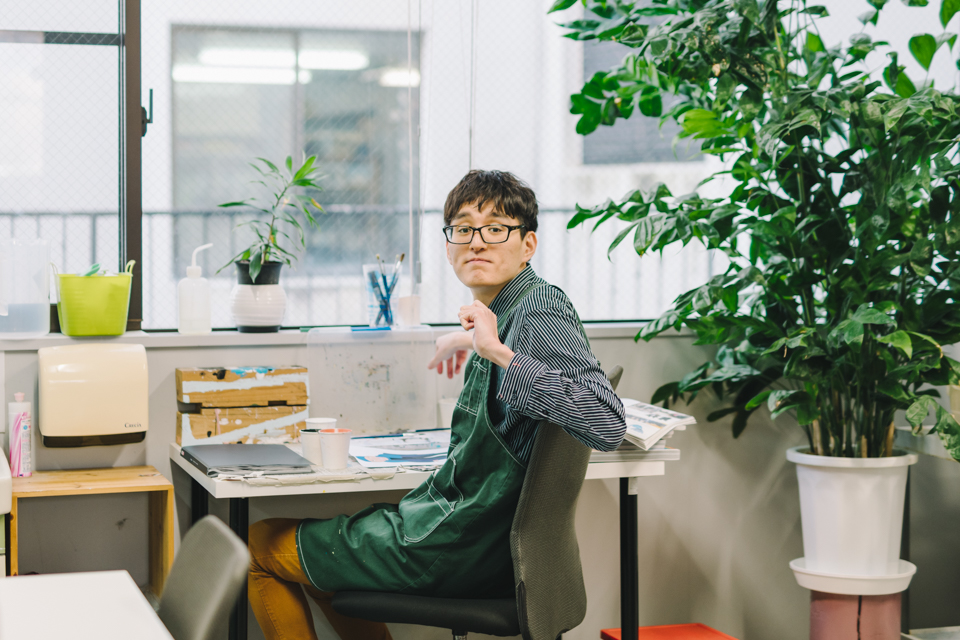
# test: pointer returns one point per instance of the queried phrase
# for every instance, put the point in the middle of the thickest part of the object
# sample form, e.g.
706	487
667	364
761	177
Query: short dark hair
509	194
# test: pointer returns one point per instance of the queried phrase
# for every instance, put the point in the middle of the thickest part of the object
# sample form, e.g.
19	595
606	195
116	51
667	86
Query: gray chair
208	574
550	595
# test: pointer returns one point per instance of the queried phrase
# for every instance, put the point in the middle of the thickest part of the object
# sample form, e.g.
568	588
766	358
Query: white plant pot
851	511
258	308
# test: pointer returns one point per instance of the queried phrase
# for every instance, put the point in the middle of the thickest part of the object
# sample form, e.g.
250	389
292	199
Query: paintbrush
396	274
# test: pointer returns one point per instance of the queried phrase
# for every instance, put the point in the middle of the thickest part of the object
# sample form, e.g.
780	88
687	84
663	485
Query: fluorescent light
399	77
334	60
304	76
231	75
329	59
224	57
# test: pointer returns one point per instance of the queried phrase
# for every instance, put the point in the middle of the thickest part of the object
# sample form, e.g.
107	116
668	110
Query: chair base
493	617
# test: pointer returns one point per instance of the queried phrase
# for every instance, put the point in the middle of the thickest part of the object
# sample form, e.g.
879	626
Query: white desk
239	494
99	605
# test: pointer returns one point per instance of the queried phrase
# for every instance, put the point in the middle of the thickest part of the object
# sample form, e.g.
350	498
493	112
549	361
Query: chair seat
493	617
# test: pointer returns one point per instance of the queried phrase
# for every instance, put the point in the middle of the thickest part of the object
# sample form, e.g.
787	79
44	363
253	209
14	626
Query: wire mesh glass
59	129
488	87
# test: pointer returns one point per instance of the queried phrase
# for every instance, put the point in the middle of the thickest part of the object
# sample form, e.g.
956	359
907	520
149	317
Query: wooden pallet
241	404
247	423
243	386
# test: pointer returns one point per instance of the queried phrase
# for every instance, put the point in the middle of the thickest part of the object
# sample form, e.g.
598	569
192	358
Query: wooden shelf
79	482
76	482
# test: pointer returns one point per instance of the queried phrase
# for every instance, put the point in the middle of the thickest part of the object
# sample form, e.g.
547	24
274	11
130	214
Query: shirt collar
511	292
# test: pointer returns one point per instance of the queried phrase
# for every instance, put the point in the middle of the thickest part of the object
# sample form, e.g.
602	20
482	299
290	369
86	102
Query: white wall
716	532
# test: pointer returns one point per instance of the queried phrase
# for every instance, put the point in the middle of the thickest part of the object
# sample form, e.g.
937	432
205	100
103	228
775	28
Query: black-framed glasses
489	233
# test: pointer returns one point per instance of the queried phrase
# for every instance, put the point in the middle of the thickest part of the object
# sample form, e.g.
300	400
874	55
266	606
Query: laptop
245	459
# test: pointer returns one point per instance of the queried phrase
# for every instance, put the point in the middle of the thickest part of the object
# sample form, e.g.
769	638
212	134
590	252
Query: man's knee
271	536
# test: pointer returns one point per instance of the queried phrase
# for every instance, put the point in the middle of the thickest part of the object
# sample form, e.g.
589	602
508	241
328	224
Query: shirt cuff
518	380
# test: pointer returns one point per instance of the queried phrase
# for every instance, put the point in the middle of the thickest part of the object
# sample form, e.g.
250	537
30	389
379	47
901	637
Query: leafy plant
284	209
839	214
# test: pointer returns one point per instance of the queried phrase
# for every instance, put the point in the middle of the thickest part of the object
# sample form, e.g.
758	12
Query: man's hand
452	348
486	340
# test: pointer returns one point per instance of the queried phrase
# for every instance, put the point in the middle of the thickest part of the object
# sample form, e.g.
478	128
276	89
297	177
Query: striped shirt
553	376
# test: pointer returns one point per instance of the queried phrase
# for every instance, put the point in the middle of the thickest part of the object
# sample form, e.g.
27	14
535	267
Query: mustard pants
277	584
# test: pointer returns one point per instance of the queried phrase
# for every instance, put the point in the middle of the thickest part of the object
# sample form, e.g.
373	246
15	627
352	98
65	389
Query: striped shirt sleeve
554	376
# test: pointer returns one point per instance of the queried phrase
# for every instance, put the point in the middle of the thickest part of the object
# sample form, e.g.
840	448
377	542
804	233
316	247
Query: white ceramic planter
258	308
852	512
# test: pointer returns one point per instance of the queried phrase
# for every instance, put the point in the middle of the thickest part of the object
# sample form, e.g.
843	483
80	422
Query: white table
239	493
98	605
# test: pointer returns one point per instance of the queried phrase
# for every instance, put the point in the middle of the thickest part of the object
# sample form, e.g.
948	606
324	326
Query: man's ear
449	257
529	246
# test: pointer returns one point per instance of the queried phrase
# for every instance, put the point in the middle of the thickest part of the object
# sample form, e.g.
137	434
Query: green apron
450	535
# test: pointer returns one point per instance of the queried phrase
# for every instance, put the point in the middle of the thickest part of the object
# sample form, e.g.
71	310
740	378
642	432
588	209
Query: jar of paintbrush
381	281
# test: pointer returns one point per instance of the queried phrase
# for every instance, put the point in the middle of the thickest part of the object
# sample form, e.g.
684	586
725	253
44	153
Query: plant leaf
869	315
900	340
948	8
923	47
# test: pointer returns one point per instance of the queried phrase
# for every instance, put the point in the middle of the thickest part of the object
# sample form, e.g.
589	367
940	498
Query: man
450	536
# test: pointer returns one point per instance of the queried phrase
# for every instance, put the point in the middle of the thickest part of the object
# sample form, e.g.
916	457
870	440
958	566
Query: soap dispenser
193	295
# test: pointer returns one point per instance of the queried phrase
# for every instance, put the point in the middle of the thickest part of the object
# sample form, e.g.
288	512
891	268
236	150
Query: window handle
144	118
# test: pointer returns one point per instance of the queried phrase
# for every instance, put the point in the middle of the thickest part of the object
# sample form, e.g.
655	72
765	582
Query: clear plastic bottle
21	437
193	294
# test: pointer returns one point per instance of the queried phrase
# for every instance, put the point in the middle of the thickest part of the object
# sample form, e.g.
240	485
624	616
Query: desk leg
239	521
161	538
198	502
11	524
629	564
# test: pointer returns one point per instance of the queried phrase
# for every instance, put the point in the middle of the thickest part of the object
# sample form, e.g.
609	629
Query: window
242	93
636	139
232	81
61	169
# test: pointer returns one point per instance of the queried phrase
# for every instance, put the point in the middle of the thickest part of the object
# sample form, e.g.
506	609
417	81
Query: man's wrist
502	356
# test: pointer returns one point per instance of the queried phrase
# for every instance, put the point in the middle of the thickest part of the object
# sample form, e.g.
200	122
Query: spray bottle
21	437
193	294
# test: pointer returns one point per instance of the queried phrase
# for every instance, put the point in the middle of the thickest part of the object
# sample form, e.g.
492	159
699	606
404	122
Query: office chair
550	595
207	576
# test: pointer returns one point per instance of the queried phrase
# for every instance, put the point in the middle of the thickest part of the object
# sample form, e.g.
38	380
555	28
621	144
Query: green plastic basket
94	305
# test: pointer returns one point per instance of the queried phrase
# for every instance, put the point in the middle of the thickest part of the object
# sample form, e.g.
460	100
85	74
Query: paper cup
335	448
408	311
310	441
315	424
445	407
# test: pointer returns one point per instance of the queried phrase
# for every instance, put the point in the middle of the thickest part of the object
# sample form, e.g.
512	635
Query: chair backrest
551	597
207	576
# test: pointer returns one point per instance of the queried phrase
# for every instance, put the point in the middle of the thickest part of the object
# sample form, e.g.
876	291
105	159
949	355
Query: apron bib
450	535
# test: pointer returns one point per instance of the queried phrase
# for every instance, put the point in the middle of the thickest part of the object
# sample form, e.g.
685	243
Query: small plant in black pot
258	302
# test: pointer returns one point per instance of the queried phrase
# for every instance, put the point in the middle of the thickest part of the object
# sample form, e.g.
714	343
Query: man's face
482	266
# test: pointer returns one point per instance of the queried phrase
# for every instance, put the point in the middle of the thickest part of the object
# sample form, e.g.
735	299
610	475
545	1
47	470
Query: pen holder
381	284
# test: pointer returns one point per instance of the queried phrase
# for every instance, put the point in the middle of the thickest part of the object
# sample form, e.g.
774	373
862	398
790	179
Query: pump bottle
193	295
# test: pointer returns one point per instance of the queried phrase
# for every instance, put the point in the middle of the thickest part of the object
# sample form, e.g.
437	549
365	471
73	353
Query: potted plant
258	302
839	215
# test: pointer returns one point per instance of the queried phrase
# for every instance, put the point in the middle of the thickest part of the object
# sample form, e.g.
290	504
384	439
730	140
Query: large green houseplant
839	213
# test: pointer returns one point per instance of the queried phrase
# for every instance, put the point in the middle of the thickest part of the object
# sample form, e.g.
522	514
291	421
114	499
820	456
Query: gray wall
716	532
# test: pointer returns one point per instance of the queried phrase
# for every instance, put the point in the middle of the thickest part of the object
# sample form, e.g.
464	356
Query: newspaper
648	423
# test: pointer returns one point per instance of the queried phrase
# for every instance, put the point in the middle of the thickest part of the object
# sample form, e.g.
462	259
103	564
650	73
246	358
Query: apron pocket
423	514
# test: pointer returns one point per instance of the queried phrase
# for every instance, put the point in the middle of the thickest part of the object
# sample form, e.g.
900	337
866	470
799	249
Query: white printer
93	394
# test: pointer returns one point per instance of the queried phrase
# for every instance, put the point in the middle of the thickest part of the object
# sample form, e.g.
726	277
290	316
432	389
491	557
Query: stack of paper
413	450
648	423
629	452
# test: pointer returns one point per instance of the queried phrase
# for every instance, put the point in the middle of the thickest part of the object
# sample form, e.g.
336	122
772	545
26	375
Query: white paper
421	449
